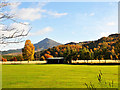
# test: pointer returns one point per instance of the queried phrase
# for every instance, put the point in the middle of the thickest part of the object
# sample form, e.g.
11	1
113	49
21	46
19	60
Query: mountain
44	44
111	40
105	48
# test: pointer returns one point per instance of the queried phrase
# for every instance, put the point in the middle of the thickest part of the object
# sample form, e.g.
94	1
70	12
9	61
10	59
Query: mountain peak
46	39
45	44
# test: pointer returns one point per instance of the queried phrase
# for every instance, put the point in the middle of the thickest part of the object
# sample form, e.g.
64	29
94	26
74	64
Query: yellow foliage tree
111	57
28	51
43	58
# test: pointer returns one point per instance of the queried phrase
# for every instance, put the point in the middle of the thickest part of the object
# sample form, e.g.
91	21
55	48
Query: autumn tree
117	47
4	60
28	51
14	59
37	55
15	30
20	57
42	58
91	54
48	56
48	52
12	28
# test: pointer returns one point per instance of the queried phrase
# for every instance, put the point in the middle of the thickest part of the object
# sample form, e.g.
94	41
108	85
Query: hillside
80	43
103	48
109	41
44	44
12	52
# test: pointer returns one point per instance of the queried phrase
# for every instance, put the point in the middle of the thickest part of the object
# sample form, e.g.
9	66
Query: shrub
4	60
13	59
102	82
19	58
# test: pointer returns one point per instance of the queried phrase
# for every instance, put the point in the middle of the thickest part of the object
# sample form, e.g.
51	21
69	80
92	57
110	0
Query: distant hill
71	43
107	48
44	44
110	40
12	52
80	43
48	43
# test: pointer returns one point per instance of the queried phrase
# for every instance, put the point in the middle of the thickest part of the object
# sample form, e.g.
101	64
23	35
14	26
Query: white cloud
104	34
92	14
41	4
88	14
17	27
2	26
111	23
29	13
14	5
73	32
112	4
43	31
33	13
57	14
4	47
13	28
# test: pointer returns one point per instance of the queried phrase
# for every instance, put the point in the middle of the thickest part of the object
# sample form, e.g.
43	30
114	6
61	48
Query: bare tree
12	30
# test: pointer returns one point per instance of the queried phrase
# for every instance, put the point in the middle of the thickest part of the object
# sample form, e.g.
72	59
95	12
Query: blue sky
68	21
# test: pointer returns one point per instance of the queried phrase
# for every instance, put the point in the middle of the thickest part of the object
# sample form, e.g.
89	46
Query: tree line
106	48
103	49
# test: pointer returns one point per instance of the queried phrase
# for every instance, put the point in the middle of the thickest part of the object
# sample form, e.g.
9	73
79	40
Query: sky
66	22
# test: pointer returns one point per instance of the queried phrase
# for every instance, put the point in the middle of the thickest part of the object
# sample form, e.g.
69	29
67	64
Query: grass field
56	76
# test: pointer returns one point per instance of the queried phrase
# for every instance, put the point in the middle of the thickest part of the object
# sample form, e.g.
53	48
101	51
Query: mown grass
56	75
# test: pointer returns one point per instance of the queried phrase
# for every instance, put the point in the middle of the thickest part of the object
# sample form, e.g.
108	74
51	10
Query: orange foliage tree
28	51
48	52
4	60
48	56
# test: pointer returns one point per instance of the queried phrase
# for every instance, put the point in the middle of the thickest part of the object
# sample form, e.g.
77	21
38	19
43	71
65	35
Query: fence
95	61
73	61
23	62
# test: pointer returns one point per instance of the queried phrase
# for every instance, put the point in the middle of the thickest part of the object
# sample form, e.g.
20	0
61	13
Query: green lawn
56	76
